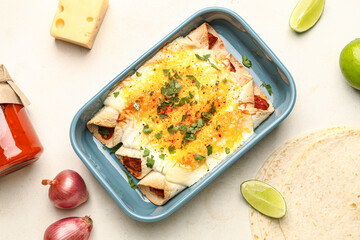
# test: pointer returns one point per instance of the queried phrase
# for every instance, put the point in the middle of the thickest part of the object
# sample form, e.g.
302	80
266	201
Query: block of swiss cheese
78	21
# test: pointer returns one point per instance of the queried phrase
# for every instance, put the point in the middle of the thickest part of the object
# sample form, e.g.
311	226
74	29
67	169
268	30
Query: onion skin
71	228
67	190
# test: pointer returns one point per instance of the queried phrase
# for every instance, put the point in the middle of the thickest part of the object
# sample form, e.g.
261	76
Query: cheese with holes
78	21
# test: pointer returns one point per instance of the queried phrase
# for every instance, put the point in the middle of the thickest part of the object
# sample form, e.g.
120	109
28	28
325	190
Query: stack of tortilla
319	176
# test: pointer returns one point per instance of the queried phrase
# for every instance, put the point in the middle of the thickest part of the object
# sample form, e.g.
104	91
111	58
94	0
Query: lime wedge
305	14
263	198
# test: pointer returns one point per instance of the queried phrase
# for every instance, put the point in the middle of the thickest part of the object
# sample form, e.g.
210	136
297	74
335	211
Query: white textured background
59	78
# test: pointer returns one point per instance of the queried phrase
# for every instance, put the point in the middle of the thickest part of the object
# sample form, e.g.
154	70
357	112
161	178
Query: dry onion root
71	228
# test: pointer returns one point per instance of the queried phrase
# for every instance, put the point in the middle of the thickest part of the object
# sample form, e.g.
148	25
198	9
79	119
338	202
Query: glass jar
19	144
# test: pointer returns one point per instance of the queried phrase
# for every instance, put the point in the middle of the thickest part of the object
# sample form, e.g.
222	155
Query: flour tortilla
106	117
157	180
273	172
281	168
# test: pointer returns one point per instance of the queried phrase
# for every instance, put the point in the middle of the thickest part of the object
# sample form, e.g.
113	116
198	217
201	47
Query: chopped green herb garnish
206	58
200	124
213	108
146	152
197	83
246	62
217	127
147	130
180	103
199	157
104	148
166	72
176	128
176	75
163	115
188	66
191	77
161	149
114	149
137	106
184	117
224	80
268	88
116	94
227	150
214	66
209	150
191	95
190	136
217	83
206	116
159	135
190	131
141	148
130	180
182	128
104	132
162	156
171	129
138	74
171	97
150	161
202	58
193	102
172	149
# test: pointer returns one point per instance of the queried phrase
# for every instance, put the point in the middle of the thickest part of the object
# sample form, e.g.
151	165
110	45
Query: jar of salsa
19	144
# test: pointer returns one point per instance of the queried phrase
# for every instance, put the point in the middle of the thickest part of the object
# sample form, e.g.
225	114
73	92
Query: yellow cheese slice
78	21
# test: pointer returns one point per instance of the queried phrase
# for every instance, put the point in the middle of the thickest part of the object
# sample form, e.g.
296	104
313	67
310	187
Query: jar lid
9	91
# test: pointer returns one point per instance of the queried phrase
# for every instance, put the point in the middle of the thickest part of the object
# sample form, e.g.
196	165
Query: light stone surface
59	78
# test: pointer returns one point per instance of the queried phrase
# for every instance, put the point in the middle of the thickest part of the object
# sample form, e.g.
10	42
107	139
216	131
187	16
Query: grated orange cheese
215	87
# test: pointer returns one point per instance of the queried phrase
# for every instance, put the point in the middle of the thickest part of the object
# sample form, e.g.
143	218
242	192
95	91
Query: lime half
305	14
263	198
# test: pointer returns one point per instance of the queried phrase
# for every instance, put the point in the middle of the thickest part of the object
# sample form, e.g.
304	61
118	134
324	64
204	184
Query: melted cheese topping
207	99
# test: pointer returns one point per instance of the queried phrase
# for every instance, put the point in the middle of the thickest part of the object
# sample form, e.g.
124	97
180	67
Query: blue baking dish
239	39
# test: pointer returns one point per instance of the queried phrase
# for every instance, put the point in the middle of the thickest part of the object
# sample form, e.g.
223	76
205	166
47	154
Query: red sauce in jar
19	144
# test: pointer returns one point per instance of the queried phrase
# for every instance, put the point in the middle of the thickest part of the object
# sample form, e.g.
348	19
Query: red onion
67	190
71	228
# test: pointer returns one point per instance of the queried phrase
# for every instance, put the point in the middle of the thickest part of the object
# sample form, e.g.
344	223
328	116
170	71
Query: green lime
264	198
350	63
305	14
